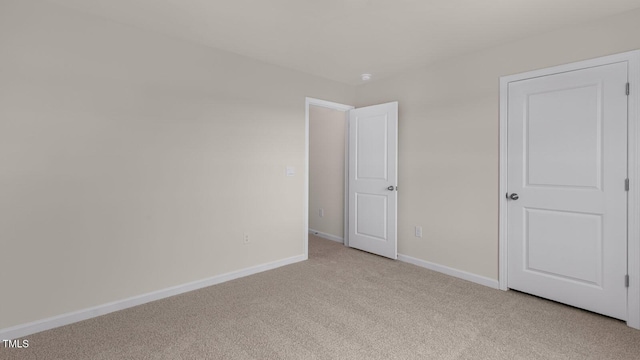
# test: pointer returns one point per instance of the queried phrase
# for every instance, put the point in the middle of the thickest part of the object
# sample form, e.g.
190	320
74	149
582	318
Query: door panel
371	152
552	240
373	138
567	151
558	154
371	216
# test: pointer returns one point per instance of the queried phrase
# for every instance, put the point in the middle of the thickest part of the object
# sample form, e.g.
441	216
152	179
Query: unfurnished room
336	179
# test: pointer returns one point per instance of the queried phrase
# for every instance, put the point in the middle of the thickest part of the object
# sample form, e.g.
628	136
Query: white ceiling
341	39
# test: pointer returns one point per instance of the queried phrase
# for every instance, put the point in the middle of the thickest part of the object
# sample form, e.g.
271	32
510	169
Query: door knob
390	188
513	196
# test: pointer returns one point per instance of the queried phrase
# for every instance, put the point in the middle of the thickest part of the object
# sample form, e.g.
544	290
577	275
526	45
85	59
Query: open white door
373	175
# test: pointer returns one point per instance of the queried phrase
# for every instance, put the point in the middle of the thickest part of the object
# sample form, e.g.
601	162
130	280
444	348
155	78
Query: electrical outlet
246	238
321	212
419	231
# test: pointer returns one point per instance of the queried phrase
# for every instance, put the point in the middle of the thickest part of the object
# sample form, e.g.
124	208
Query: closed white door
567	207
373	174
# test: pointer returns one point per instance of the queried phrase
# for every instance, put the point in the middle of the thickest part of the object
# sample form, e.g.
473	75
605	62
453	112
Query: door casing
633	171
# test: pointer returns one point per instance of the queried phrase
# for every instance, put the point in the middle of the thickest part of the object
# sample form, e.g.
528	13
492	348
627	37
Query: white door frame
336	106
633	171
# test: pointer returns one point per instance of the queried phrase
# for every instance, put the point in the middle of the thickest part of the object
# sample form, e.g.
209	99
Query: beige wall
326	169
130	162
448	138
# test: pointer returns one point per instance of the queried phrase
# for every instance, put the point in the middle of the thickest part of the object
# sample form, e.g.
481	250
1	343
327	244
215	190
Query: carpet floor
341	304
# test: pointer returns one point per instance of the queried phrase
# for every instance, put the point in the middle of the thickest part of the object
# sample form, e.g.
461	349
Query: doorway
318	220
370	176
327	169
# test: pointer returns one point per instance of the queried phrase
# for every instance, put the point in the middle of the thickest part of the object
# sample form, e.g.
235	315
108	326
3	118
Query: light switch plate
418	231
290	171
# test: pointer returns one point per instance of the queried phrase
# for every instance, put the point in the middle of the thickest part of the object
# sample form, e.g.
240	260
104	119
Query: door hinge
626	281
626	184
628	88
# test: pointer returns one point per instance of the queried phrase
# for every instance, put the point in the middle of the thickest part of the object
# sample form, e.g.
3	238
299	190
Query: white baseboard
326	236
451	271
19	331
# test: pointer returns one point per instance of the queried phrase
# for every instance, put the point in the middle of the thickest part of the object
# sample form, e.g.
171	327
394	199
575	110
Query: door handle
513	196
390	188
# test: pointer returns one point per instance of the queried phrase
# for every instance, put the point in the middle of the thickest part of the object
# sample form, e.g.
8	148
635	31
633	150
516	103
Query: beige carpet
341	304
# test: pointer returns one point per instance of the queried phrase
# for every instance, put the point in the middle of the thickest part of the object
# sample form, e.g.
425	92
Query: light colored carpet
341	304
